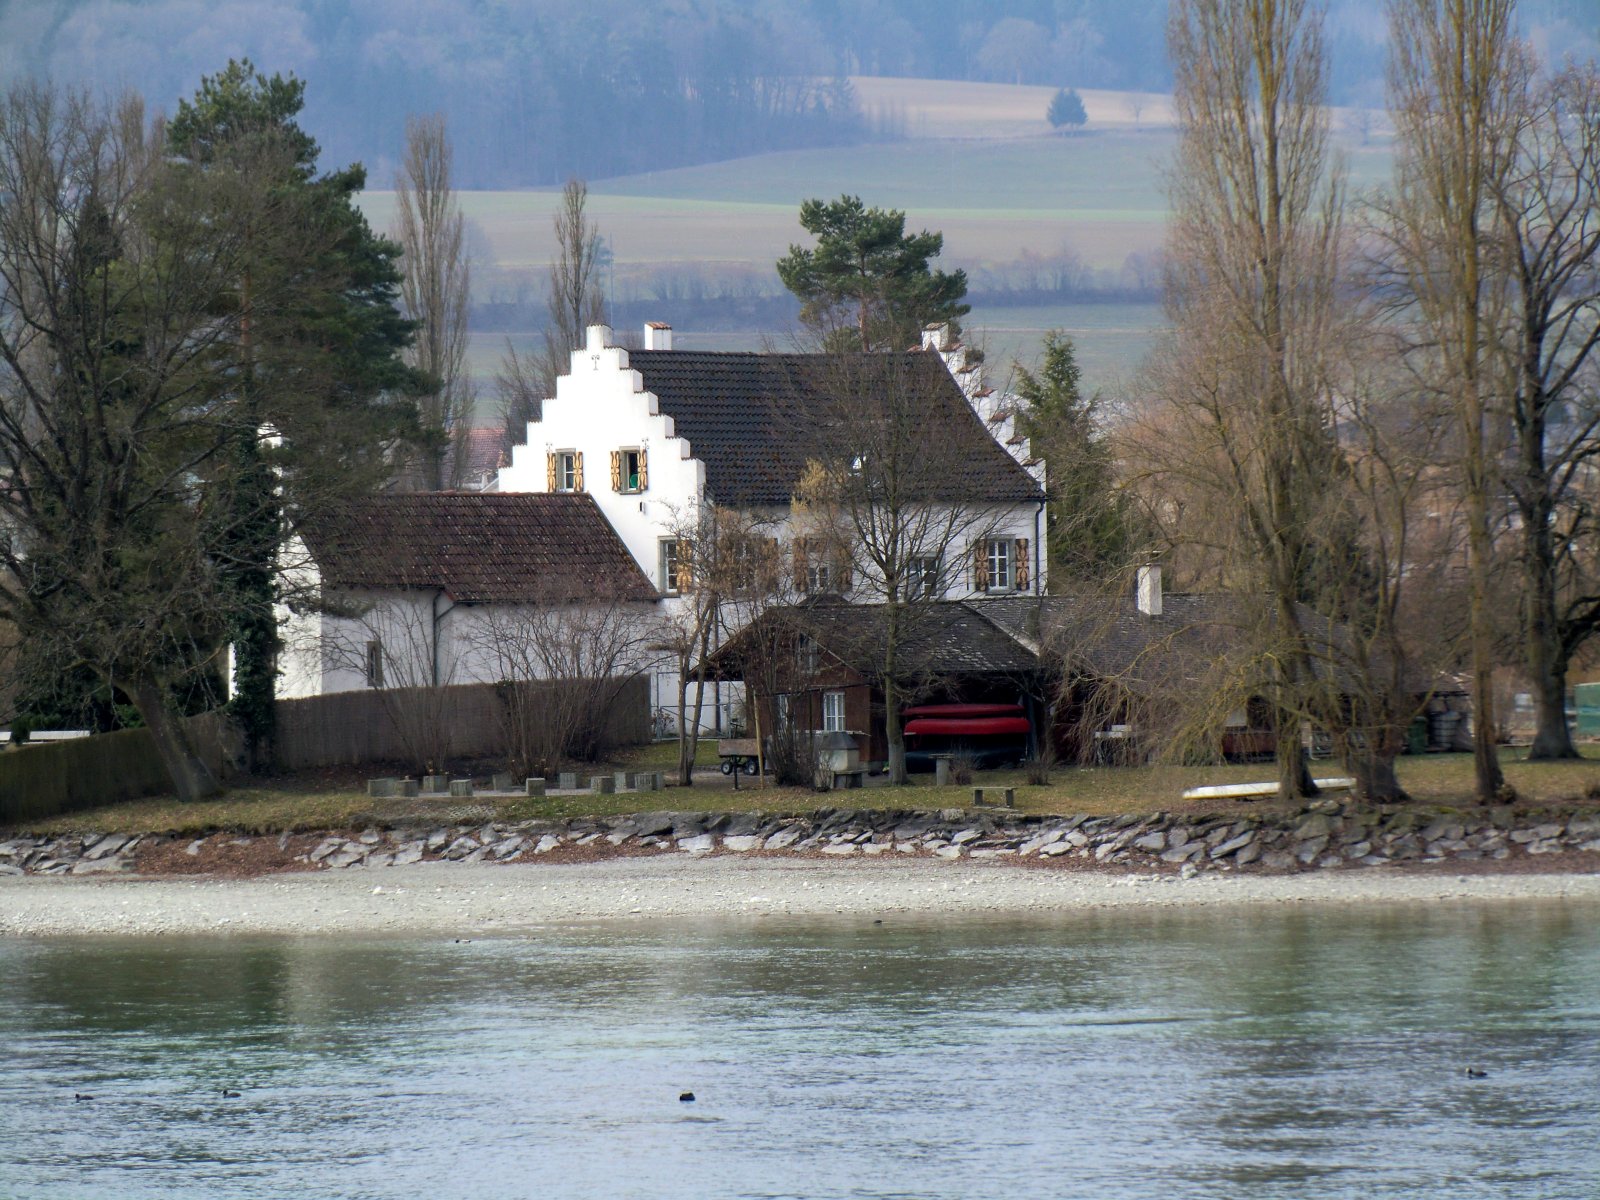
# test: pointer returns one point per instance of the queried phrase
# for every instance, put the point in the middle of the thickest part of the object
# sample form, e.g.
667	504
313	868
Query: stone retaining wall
1322	836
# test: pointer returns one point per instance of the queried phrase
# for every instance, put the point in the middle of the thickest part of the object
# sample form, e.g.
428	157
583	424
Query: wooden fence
408	725
340	729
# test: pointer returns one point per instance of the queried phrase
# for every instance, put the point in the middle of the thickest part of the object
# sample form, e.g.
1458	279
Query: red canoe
962	710
967	726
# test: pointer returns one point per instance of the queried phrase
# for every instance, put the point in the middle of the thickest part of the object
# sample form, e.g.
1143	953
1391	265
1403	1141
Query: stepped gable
479	547
755	420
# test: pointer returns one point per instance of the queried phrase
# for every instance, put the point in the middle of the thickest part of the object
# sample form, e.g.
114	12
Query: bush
1066	108
961	768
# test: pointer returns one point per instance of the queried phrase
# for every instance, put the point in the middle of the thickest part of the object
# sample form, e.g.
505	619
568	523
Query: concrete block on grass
602	785
568	781
535	787
381	788
502	782
435	785
406	787
461	787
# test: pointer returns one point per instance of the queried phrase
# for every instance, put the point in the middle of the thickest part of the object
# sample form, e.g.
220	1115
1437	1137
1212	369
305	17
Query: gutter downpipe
1038	548
438	621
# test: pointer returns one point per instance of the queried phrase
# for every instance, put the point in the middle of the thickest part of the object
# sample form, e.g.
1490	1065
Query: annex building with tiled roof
420	588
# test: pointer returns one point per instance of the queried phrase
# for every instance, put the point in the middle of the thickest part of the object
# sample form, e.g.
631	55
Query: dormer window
628	471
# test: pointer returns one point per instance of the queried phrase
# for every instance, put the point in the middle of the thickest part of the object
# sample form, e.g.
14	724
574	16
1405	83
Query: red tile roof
480	547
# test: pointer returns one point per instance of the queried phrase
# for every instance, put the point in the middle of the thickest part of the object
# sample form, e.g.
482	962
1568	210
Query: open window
628	471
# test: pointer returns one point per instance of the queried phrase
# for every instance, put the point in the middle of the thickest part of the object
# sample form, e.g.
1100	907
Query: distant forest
539	90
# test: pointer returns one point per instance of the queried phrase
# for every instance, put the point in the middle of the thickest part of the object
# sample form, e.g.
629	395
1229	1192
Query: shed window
375	663
832	712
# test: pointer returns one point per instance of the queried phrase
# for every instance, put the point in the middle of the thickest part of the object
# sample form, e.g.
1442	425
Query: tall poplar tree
1457	92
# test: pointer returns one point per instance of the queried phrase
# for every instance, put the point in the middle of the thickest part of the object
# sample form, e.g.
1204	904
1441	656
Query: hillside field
979	163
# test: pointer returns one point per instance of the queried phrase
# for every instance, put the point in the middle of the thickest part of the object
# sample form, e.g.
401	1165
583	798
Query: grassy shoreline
299	805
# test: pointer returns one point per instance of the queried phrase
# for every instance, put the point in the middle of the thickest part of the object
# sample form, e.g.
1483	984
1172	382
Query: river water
1219	1053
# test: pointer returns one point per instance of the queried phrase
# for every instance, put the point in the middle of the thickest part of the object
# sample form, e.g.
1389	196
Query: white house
653	435
438	588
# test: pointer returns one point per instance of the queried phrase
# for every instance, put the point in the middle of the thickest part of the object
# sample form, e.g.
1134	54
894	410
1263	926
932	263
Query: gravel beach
479	899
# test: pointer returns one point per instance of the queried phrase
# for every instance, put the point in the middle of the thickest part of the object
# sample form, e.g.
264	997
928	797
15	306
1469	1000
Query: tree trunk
1371	763
191	778
1544	658
893	733
1294	766
689	731
1552	737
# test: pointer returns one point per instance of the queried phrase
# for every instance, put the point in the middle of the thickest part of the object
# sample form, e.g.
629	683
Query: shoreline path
482	900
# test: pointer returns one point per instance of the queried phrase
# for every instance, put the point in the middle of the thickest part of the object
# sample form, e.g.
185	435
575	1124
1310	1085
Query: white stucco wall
429	640
601	406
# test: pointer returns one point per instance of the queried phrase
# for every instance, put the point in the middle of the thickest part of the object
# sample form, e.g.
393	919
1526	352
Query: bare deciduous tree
726	570
891	493
1254	258
1546	242
396	645
520	385
1458	85
576	300
436	293
114	290
561	663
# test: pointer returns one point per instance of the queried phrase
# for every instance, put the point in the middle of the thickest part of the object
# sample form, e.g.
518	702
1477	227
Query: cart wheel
751	766
727	766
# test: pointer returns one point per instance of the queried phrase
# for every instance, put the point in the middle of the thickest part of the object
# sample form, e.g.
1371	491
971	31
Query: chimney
657	335
1149	589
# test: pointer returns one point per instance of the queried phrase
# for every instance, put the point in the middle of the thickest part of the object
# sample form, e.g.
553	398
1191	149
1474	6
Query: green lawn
1435	780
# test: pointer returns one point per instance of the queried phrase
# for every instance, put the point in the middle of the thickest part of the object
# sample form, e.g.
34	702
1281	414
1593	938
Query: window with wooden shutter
616	470
980	567
550	471
1021	559
802	565
671	571
577	471
685	561
644	477
841	572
